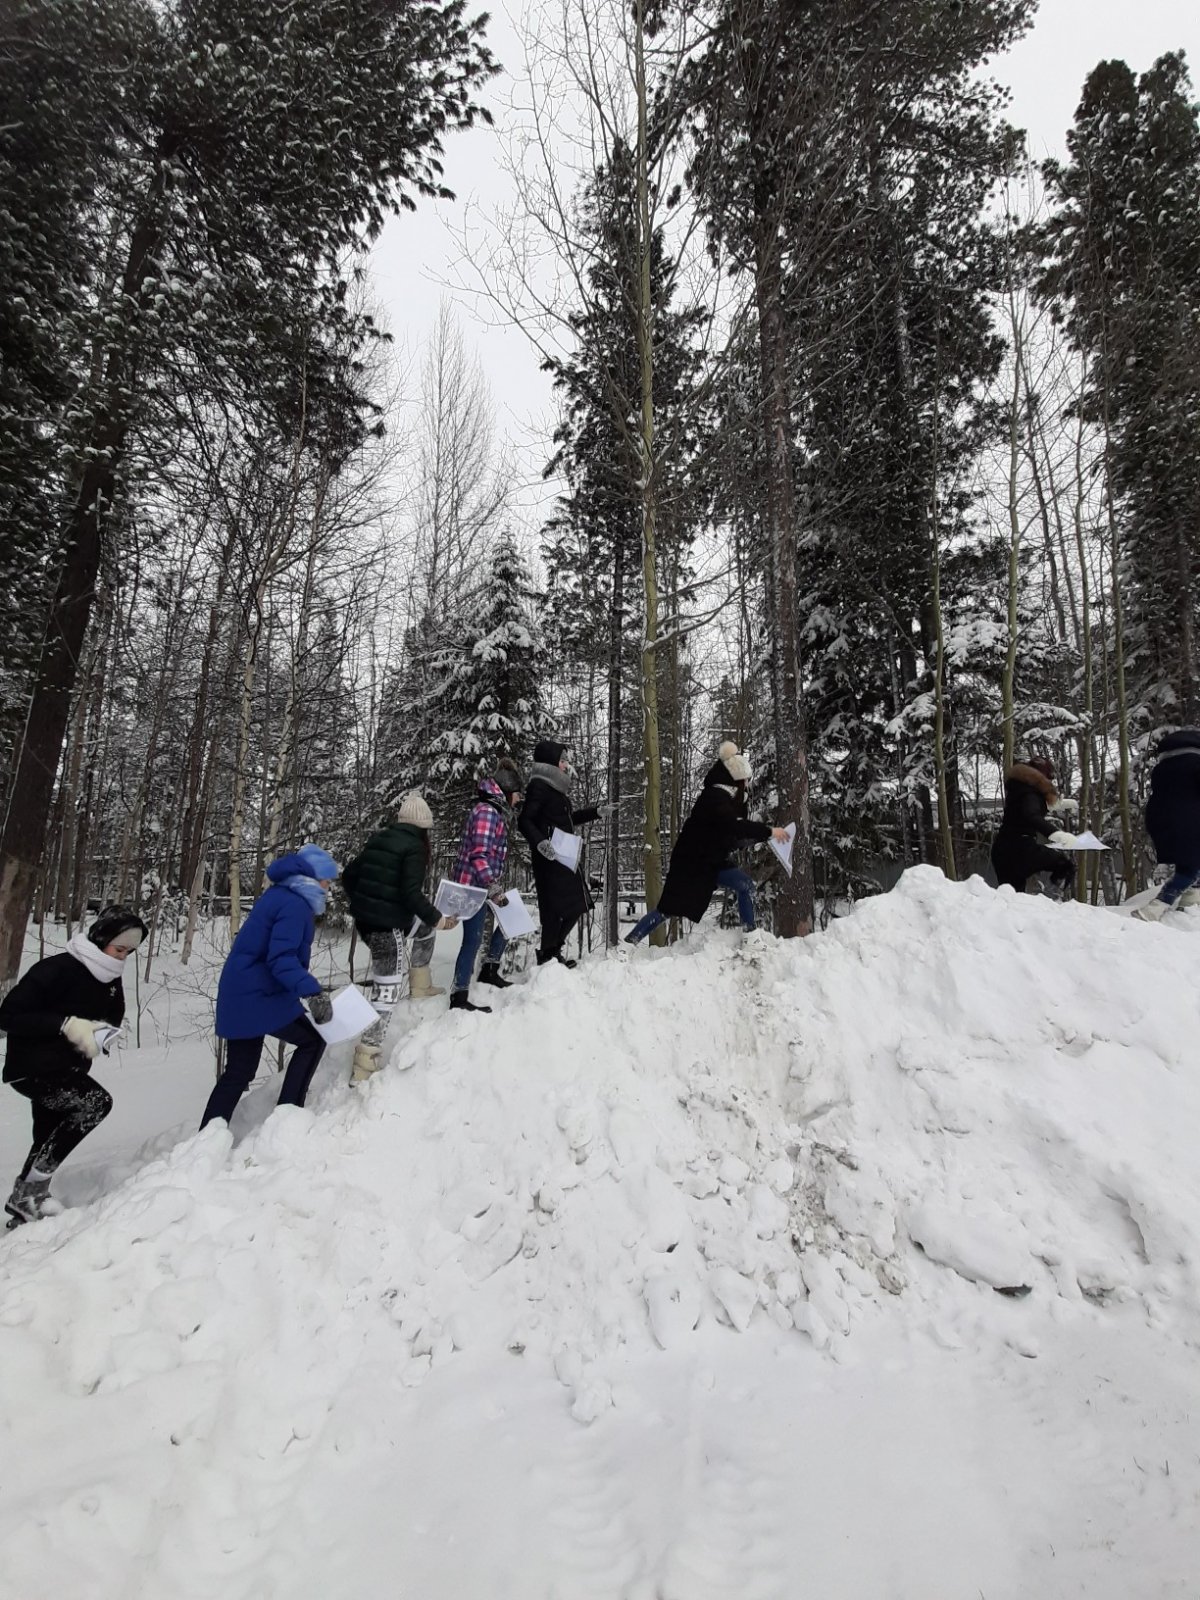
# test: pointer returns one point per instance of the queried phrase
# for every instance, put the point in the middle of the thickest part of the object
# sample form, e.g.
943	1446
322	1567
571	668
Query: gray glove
546	849
320	1006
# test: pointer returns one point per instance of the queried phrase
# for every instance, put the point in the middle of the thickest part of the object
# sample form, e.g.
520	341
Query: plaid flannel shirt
484	848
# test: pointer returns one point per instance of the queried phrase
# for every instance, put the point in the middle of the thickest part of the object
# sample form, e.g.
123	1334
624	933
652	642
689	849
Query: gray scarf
554	776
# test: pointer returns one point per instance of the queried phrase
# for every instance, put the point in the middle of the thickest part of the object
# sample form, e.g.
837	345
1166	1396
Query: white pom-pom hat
734	762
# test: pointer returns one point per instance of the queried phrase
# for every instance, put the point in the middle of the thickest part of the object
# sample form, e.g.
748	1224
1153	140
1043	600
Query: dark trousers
555	930
241	1063
1017	857
66	1107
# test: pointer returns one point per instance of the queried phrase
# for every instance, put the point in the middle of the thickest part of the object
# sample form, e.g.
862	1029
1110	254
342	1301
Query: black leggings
66	1107
1017	857
241	1063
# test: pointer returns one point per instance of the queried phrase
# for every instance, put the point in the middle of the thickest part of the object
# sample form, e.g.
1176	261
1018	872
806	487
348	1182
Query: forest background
875	440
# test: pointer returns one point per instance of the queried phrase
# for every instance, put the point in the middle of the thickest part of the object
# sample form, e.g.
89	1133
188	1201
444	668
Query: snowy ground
677	1278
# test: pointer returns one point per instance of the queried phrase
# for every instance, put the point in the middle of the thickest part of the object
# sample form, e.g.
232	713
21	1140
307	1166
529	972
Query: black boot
489	972
555	955
460	1000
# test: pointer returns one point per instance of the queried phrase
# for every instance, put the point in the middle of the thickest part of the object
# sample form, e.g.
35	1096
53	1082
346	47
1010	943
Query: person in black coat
1020	850
562	894
1173	821
700	861
57	1018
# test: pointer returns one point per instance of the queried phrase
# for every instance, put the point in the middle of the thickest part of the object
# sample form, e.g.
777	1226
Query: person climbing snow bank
562	894
1173	822
701	861
388	901
265	978
1021	848
481	861
56	1019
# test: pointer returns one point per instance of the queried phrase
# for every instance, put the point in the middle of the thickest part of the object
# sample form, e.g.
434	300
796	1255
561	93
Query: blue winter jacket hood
266	971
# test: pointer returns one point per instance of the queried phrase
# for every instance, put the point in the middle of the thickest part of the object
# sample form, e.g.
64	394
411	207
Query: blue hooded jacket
266	970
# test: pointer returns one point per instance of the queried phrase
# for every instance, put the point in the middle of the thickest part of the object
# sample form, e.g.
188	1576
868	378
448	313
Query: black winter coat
714	828
1028	796
385	882
560	892
35	1009
1173	810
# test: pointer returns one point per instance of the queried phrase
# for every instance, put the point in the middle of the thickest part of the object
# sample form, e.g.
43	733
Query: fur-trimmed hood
1020	773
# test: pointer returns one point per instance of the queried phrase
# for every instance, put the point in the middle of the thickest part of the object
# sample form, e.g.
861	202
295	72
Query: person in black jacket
56	1018
562	894
1018	850
1173	821
700	861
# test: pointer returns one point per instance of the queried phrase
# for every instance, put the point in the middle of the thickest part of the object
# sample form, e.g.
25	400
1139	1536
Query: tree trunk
88	528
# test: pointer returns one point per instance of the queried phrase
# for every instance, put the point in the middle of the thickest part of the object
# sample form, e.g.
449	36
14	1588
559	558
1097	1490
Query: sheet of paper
566	848
784	850
461	900
105	1036
1084	841
513	916
353	1014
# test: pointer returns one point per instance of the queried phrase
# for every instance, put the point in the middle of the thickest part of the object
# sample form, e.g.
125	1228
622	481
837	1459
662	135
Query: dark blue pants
728	878
1185	876
472	929
241	1063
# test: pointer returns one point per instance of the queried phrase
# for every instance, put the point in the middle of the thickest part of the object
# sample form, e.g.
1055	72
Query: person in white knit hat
700	861
385	884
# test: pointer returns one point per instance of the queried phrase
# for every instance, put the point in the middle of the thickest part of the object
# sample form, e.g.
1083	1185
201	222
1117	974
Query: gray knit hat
413	809
507	777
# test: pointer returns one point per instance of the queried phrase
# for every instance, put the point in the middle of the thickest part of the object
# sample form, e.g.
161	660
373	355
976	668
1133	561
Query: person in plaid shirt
481	858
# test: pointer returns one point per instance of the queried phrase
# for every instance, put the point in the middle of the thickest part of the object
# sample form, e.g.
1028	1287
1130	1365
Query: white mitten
82	1034
1064	841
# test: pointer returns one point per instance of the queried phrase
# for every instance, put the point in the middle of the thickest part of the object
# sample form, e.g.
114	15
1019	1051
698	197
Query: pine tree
491	704
1122	265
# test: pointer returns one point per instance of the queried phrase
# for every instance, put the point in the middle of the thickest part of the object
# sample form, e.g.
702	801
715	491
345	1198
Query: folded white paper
566	848
461	900
1084	841
105	1035
513	916
784	850
353	1014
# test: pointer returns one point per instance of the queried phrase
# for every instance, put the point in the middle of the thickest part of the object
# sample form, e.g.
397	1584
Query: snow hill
859	1268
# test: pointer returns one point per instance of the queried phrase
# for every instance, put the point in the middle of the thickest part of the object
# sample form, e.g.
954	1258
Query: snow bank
825	1144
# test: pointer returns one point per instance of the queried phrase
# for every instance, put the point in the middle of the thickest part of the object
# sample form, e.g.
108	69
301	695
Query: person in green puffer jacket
385	884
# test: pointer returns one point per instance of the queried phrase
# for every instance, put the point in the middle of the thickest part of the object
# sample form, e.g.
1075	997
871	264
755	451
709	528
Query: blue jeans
472	929
1184	878
728	878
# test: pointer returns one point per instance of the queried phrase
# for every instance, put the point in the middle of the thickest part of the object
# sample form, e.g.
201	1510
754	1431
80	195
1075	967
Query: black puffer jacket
35	1009
385	882
1173	810
716	825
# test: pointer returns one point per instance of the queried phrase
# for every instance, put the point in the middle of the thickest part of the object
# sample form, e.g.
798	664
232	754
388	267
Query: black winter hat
112	922
549	751
507	777
1181	739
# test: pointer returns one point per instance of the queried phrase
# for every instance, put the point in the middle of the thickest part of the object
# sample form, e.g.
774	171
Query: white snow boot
421	985
1189	897
366	1062
1152	911
30	1201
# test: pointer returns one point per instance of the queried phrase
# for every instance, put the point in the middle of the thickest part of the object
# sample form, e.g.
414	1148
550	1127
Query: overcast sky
415	256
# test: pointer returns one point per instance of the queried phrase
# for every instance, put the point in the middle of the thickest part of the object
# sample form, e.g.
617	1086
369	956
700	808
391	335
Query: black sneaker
460	1000
489	972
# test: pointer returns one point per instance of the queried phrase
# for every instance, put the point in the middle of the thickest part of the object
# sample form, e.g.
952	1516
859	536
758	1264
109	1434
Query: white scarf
103	967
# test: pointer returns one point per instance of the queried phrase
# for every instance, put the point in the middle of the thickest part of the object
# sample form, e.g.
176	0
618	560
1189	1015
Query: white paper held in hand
353	1014
461	900
513	916
105	1035
784	850
1085	841
566	848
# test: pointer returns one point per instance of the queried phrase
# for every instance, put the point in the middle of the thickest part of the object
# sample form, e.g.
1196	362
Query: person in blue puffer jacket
265	978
